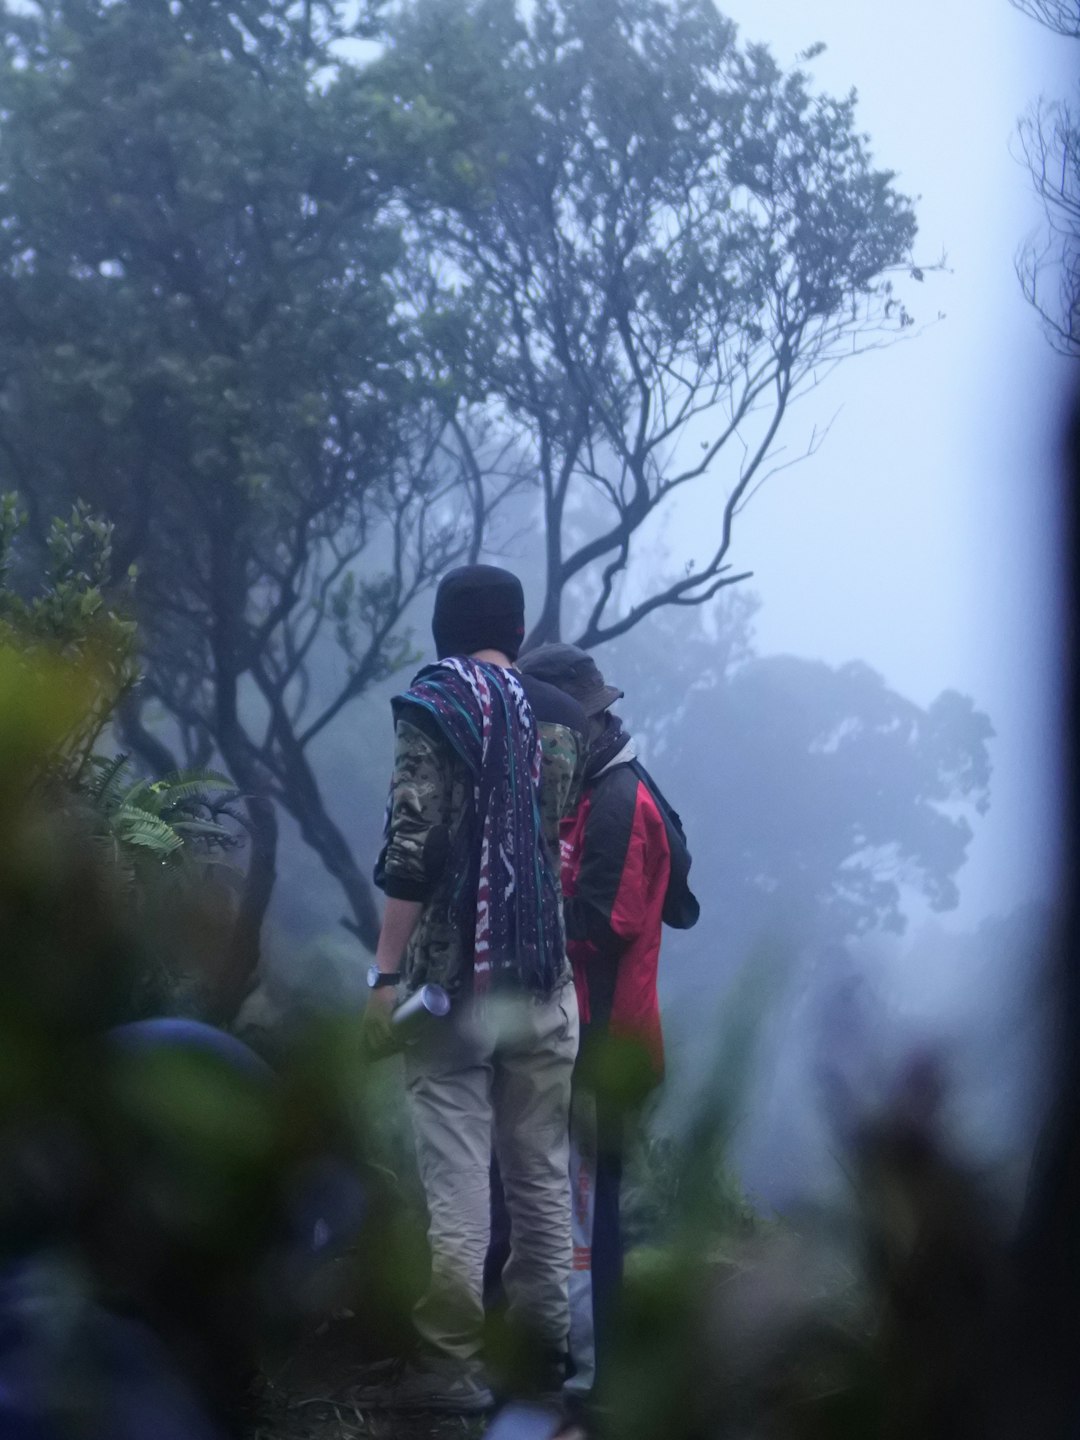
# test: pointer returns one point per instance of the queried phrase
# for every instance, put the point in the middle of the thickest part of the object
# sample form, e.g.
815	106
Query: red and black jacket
616	861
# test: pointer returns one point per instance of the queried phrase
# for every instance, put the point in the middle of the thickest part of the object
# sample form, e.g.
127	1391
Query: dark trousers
607	1246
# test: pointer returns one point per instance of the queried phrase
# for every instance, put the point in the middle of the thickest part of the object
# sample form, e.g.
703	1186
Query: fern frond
207	828
182	784
105	788
135	827
141	797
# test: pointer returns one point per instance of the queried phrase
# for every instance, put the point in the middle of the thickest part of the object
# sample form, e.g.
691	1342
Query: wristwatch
377	978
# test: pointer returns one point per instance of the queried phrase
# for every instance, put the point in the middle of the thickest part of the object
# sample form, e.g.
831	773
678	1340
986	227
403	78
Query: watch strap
384	977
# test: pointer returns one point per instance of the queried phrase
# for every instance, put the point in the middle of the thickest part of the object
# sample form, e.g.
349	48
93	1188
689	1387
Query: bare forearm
398	923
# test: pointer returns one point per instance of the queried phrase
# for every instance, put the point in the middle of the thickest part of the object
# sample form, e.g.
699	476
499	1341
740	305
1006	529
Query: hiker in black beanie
478	607
487	763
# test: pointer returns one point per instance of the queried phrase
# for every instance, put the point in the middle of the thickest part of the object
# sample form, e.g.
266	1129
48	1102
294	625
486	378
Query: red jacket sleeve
623	845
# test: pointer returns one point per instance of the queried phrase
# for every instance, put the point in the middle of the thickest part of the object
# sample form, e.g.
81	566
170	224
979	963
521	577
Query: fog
921	539
862	736
923	536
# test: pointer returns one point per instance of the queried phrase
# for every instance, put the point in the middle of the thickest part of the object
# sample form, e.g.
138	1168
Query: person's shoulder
414	724
553	706
616	786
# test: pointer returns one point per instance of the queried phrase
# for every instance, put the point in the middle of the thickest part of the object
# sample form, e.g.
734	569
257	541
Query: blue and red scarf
507	899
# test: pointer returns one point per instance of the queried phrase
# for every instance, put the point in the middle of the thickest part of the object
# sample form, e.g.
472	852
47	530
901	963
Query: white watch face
372	976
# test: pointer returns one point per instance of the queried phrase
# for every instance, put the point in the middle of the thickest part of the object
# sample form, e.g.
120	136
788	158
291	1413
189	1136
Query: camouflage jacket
431	796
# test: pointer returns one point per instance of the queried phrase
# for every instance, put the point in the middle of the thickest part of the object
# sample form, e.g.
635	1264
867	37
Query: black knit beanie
478	607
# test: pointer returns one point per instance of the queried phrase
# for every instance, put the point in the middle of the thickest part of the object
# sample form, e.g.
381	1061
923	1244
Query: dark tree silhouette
212	332
296	326
1049	267
1060	15
816	798
671	239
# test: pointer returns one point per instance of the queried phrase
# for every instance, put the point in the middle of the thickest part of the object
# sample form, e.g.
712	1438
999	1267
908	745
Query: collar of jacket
622	756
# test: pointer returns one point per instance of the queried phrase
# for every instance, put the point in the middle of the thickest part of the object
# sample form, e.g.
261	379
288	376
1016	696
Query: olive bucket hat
574	672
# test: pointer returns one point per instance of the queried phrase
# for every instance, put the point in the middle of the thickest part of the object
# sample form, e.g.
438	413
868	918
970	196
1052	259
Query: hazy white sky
921	538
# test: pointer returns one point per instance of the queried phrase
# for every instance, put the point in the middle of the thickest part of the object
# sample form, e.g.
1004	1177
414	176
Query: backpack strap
681	907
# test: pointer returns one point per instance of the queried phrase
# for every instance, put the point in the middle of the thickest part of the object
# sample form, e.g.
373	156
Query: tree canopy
817	800
208	334
669	239
296	325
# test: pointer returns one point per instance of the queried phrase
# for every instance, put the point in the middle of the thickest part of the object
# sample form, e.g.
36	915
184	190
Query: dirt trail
304	1396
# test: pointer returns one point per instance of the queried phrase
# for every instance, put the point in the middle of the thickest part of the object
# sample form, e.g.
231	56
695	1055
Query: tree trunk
302	798
244	950
548	627
320	832
135	736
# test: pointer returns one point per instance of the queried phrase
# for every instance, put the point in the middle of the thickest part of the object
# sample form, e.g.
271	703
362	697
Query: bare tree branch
1049	268
681	240
1060	15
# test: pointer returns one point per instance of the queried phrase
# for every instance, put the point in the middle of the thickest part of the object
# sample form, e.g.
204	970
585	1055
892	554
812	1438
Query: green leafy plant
71	614
173	821
74	619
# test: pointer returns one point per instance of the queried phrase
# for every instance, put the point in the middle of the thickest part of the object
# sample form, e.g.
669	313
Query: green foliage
161	821
68	651
295	326
881	1317
167	1183
165	842
211	330
73	615
653	1199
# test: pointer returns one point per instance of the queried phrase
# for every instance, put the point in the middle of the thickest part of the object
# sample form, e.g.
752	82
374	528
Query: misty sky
921	537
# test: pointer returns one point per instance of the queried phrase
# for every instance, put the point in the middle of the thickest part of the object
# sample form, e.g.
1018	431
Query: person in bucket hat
574	672
624	867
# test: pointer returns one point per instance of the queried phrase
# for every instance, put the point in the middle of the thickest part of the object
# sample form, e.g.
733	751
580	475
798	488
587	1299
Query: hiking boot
549	1381
426	1385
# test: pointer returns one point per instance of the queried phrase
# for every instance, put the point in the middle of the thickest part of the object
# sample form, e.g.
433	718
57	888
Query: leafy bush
69	615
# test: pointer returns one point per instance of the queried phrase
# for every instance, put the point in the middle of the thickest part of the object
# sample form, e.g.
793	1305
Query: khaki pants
498	1072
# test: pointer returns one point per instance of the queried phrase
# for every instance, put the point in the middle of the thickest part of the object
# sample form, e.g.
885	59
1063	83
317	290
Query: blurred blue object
330	1204
15	1423
72	1370
330	1208
524	1422
164	1031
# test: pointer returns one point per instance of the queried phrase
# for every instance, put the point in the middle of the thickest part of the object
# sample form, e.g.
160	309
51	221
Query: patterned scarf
507	893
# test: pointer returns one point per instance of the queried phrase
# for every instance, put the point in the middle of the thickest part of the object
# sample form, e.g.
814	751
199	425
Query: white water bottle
412	1016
